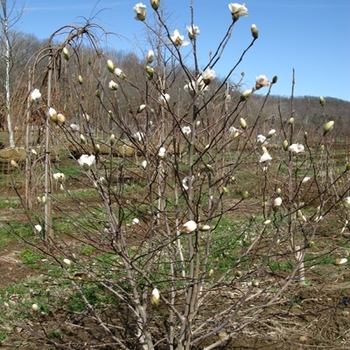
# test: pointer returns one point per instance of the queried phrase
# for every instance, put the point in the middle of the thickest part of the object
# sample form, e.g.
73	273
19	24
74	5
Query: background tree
8	18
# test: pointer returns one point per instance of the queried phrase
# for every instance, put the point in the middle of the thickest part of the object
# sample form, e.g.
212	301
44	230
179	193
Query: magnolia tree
184	206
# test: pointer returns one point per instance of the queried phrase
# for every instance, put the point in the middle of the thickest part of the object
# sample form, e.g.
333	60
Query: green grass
29	257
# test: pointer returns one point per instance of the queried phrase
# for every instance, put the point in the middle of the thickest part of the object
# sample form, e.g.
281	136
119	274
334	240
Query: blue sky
313	37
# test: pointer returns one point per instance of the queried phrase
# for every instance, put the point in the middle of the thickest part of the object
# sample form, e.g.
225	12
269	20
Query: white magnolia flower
113	85
86	161
185	182
155	296
135	221
237	10
140	10
119	73
265	158
189	226
144	164
150	56
177	39
192	31
233	130
197	86
59	177
261	81
186	130
74	127
164	99
162	152
139	136
208	75
35	95
53	114
305	179
38	228
260	139
296	148
277	202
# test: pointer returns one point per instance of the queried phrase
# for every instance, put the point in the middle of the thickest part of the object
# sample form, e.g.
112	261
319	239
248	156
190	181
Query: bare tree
8	18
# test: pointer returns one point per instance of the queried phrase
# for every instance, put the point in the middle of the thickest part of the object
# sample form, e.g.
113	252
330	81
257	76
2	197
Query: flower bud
328	127
80	79
322	101
112	139
277	203
243	123
14	163
340	261
254	30
246	94
155	296
271	133
61	118
67	262
66	54
189	226
150	72
291	121
155	4
53	114
256	283
274	79
110	66
150	56
245	194
285	145
162	152
82	139
86	117
305	135
141	108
